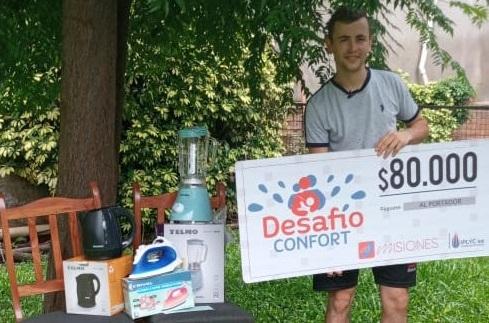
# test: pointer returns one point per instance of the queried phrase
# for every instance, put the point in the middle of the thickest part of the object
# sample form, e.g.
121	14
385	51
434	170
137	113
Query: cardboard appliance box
201	247
94	287
163	293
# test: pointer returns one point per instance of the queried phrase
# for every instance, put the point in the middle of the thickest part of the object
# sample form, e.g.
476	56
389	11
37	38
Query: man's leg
339	304
394	282
395	301
341	290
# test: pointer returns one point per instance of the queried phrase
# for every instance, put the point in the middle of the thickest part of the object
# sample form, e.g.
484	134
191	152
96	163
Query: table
222	313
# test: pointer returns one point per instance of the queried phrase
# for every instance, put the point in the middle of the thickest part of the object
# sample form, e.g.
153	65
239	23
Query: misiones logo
306	201
366	249
407	245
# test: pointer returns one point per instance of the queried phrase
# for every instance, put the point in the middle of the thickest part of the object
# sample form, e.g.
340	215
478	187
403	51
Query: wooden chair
161	203
50	207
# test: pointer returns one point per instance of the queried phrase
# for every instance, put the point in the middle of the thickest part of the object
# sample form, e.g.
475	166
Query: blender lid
193	132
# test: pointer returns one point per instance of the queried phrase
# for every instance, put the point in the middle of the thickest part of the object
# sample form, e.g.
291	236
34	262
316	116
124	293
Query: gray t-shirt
341	120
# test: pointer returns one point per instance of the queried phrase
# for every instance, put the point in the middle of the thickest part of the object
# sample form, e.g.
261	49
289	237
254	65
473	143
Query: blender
196	254
193	203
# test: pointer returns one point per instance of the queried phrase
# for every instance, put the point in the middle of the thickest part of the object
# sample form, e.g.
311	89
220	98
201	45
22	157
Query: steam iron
154	259
176	297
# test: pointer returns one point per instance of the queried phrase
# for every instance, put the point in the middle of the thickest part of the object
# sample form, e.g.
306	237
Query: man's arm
394	141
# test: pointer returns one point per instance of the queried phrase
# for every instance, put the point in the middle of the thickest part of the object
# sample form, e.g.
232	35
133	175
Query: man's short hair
345	15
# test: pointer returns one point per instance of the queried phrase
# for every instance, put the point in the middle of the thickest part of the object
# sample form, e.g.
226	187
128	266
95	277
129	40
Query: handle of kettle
98	284
128	215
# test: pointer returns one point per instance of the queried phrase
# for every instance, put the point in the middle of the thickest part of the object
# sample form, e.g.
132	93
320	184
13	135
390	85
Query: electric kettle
86	290
102	236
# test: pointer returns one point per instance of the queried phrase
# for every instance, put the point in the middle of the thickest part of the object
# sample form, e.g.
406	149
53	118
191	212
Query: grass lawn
447	291
31	306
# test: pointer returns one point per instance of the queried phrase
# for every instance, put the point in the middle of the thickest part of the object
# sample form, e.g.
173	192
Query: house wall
469	46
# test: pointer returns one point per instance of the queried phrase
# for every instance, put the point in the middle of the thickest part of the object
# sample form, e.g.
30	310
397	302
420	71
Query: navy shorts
401	276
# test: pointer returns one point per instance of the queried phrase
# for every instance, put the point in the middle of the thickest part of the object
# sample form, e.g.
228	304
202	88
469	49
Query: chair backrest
161	203
50	207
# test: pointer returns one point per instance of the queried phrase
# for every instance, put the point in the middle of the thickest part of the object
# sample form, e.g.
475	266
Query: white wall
469	46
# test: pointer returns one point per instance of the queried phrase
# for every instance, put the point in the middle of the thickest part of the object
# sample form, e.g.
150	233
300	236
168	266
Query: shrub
179	85
173	81
169	86
455	91
28	146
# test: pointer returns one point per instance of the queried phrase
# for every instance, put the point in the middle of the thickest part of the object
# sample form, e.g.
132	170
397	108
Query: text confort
309	232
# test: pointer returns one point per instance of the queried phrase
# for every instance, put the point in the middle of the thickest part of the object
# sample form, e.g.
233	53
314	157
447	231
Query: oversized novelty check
307	214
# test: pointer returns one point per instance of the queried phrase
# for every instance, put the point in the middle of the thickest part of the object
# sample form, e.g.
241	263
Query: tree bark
94	58
87	146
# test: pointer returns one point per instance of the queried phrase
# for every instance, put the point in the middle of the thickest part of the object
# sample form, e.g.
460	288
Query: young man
356	109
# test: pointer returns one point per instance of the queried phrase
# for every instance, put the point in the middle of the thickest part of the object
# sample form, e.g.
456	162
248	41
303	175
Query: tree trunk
93	65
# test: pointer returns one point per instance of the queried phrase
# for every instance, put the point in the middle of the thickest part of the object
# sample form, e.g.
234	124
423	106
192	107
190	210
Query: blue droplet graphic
278	198
330	178
345	207
263	188
358	195
296	187
335	191
348	178
281	184
255	207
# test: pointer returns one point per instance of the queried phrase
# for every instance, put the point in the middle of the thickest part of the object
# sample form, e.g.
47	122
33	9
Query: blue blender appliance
193	203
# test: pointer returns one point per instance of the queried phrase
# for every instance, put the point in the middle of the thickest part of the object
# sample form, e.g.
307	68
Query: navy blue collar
352	93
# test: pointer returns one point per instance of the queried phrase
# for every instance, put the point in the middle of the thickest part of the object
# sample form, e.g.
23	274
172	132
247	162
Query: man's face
350	44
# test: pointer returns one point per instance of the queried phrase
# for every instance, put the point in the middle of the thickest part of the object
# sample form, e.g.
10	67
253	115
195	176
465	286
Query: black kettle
102	233
86	290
